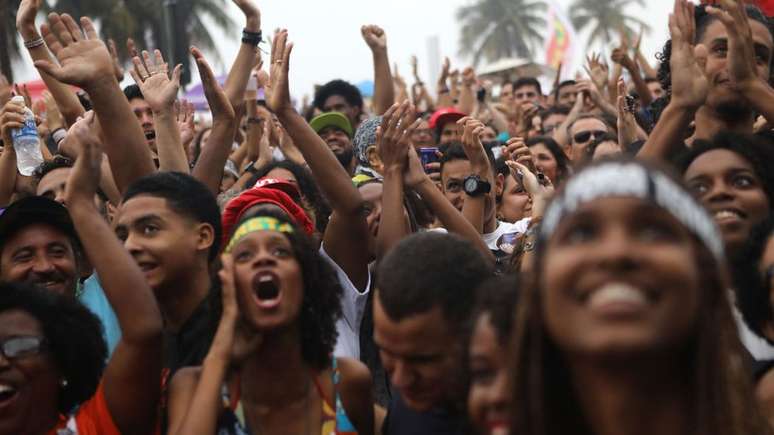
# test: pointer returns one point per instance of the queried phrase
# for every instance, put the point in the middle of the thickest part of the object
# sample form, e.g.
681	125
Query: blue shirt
93	298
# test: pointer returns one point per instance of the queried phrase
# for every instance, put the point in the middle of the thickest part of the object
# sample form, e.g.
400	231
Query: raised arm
236	82
209	166
195	394
131	379
622	58
384	92
467	99
742	59
25	24
347	233
160	92
84	61
689	86
475	206
11	117
393	141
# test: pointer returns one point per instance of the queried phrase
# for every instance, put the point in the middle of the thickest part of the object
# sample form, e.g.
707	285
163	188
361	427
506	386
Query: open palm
280	58
83	59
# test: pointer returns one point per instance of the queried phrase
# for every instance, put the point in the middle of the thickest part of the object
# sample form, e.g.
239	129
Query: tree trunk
8	34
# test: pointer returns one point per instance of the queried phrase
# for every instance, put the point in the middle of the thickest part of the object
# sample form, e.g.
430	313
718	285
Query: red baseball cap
444	116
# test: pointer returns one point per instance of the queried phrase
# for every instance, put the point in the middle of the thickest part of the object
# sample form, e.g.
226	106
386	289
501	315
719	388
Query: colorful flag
560	40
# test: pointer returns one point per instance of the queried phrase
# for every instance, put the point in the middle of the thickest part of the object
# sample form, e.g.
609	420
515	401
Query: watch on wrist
475	186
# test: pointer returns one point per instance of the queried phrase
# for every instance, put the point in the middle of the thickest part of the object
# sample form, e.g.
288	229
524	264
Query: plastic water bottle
26	142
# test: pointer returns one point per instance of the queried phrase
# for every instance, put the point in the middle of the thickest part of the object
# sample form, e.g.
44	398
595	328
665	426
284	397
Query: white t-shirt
353	303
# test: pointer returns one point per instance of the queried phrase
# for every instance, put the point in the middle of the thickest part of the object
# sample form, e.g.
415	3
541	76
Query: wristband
251	169
58	135
252	38
34	43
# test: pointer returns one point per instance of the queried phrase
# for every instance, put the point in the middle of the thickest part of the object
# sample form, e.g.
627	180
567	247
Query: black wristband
252	38
251	169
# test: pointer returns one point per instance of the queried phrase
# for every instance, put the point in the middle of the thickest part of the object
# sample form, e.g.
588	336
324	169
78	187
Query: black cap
35	210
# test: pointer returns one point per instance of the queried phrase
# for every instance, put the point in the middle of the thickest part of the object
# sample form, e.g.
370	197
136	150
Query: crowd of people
594	258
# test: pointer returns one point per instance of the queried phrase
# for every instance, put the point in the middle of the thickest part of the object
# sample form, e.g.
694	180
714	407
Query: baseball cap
331	119
443	116
35	210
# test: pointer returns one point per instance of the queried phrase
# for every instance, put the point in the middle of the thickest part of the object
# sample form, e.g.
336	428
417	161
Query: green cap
331	119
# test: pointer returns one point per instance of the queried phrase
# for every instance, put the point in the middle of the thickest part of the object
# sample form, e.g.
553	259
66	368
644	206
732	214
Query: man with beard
716	72
144	115
335	129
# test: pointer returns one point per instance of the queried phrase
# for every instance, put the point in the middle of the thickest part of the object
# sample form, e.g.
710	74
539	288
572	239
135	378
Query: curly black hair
321	307
755	149
338	87
73	336
703	20
306	185
752	289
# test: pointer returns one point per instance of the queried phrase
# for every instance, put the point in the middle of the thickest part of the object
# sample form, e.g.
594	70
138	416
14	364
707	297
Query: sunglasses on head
585	136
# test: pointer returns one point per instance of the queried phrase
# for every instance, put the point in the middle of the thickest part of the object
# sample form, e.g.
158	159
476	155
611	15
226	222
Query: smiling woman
629	320
733	176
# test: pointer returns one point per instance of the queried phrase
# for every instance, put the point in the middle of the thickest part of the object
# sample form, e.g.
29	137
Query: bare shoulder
354	373
185	380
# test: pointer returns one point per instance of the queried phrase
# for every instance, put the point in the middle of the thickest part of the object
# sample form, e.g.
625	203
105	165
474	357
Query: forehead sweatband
630	179
257	224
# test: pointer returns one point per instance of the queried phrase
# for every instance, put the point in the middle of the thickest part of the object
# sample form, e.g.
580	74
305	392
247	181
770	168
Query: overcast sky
328	44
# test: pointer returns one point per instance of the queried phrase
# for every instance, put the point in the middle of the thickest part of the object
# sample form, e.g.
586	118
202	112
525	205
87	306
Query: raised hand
532	184
278	78
11	118
219	105
627	125
516	149
25	18
374	36
444	72
252	14
84	59
415	68
151	75
688	63
84	179
471	143
742	67
469	76
393	136
54	117
184	113
597	70
117	68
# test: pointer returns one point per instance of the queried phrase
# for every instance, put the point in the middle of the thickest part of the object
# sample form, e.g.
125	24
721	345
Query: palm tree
143	21
9	46
495	29
607	17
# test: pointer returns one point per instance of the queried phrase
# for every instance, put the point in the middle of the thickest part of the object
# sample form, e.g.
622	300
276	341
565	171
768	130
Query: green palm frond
493	29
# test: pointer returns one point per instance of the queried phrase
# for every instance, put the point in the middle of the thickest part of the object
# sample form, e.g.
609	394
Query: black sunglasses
21	346
585	136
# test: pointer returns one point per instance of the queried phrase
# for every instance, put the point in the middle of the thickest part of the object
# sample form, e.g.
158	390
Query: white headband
630	179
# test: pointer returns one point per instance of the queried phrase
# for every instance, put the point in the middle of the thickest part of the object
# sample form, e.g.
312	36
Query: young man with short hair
527	90
170	224
425	293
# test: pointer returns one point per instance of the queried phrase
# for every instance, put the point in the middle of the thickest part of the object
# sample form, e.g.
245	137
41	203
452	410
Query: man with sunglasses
582	132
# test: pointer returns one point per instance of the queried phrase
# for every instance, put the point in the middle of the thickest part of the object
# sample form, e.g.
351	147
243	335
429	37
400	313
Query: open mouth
619	299
266	288
150	135
7	393
728	215
146	267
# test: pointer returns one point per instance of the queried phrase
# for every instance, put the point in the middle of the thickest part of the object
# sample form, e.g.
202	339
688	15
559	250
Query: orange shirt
92	418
